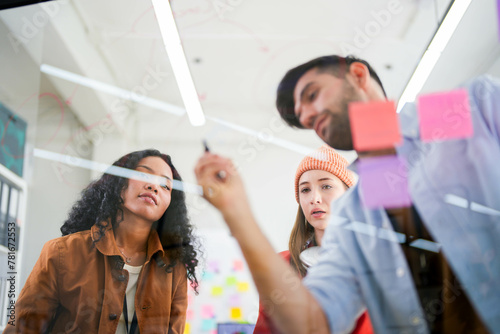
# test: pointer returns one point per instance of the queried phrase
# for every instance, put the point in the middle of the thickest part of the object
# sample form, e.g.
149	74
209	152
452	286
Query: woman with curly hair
123	261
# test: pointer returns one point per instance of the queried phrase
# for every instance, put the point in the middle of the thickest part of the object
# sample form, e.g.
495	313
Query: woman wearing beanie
321	178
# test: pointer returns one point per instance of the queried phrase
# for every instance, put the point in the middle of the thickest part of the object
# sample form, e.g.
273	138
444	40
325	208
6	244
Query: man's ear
360	75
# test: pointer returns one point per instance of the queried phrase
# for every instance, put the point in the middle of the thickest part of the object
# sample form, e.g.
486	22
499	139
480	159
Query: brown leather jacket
77	288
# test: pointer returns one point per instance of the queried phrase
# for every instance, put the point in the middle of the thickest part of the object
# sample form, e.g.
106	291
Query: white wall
53	187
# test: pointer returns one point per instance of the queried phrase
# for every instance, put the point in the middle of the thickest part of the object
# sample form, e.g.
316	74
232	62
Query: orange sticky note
235	313
237	265
374	125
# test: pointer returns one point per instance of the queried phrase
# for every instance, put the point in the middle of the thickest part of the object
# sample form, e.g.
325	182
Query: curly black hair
101	205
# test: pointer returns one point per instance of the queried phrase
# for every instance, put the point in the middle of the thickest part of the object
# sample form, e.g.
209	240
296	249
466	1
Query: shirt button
112	316
121	278
415	320
400	272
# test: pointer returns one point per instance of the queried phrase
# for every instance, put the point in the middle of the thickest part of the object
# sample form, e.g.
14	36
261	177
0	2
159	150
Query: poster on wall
13	140
227	295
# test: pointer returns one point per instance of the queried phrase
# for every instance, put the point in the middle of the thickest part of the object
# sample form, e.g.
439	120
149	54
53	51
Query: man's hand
222	185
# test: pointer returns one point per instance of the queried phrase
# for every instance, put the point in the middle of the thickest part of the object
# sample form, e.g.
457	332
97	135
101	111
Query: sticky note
384	182
207	276
234	300
187	328
235	313
213	266
231	280
207	311
498	17
208	324
217	291
237	265
242	286
189	315
374	125
444	116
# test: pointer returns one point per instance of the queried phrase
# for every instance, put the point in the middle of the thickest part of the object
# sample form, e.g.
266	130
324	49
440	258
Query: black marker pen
221	175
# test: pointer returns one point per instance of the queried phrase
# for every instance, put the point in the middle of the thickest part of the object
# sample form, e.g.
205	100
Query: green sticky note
231	280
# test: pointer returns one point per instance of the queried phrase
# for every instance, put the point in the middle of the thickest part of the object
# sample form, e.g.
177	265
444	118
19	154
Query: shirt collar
107	244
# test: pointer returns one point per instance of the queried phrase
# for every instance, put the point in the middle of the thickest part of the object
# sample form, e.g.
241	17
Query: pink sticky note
237	265
207	311
498	17
189	315
384	182
445	116
374	125
235	300
213	266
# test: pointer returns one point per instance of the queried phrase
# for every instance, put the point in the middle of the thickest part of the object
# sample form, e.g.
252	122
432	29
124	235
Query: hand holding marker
221	175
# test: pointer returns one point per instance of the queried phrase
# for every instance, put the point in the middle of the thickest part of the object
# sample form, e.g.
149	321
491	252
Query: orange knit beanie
325	158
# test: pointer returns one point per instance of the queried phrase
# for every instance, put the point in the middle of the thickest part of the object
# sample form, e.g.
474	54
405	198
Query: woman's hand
222	186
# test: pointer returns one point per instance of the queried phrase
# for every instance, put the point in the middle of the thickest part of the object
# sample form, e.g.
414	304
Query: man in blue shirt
369	257
445	179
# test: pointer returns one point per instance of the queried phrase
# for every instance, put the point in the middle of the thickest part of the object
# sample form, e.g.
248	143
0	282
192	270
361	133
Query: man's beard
338	132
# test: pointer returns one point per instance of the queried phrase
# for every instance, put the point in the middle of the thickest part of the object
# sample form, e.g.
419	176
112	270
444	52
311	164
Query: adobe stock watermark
434	308
364	36
88	138
31	26
257	143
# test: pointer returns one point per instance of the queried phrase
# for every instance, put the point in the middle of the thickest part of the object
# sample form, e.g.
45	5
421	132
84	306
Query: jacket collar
107	244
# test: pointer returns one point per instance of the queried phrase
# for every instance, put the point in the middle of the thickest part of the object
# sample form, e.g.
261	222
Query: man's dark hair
336	65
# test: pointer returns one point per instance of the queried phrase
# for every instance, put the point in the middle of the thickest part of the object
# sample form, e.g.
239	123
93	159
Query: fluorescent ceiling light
157	104
178	61
112	90
433	52
419	77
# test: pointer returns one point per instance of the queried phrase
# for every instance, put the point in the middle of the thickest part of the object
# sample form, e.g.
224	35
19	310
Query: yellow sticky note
217	291
231	280
187	328
236	313
243	286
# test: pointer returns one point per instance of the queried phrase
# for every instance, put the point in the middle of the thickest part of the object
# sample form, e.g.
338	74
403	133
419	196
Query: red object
265	326
374	125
